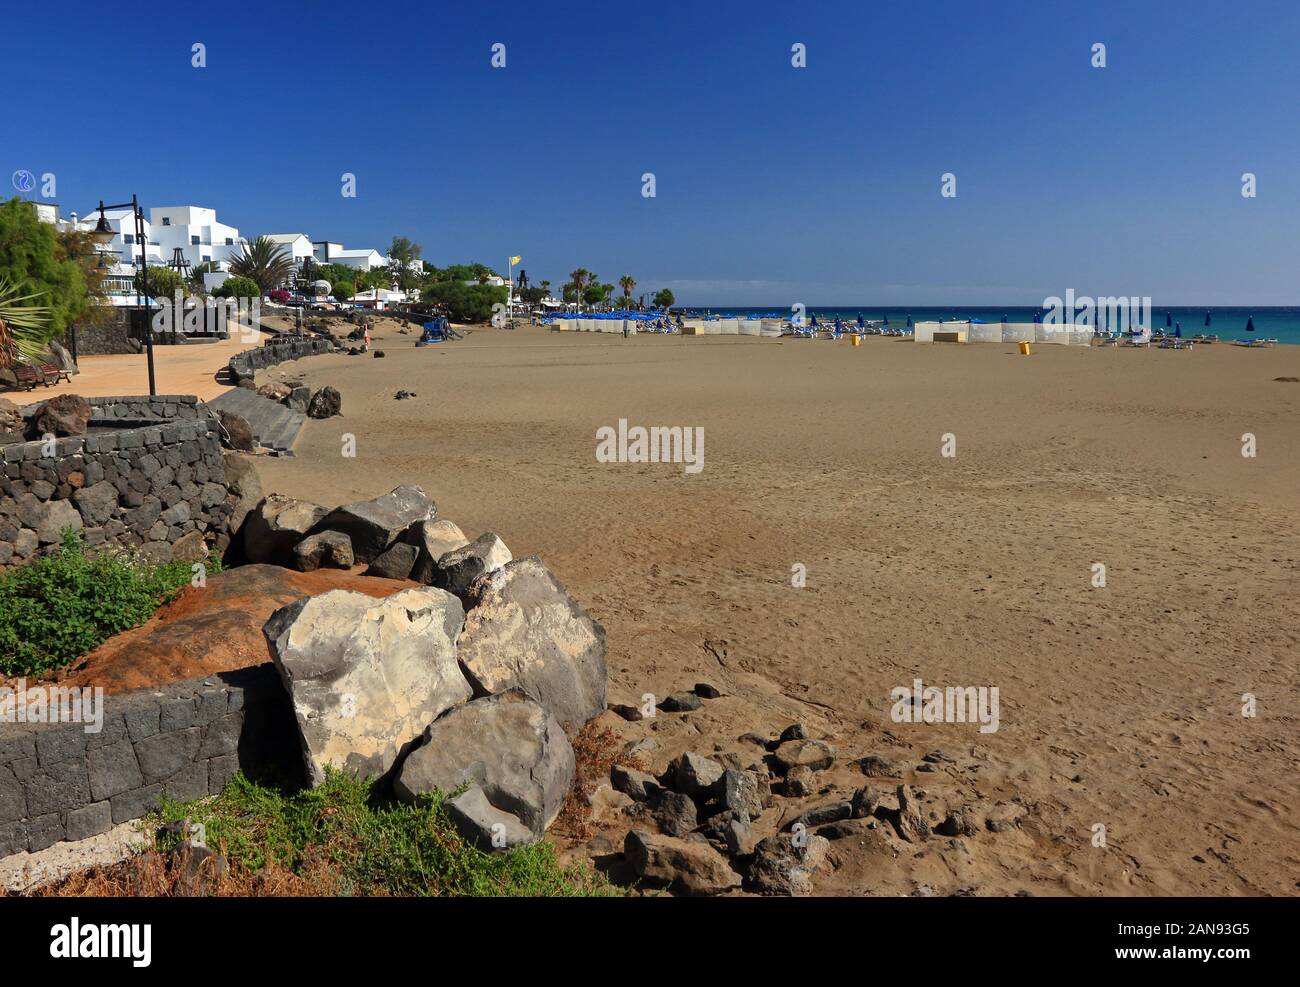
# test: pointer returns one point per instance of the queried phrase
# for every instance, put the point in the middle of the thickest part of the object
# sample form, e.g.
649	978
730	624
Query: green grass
341	838
56	608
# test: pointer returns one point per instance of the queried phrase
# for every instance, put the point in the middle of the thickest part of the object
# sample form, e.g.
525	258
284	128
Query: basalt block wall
59	781
156	477
243	365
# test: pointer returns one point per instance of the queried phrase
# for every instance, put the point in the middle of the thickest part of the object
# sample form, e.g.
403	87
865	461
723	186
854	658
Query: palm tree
627	283
22	323
264	262
580	279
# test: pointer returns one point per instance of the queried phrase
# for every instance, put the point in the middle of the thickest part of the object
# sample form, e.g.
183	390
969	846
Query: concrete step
273	425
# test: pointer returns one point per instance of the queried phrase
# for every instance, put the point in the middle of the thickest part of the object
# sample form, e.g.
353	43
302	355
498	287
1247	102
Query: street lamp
103	235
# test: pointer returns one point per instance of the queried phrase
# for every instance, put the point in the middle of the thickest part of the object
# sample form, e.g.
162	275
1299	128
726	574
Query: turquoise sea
1282	324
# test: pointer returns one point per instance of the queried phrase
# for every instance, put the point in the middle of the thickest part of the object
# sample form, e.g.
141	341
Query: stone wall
113	336
58	781
277	350
156	479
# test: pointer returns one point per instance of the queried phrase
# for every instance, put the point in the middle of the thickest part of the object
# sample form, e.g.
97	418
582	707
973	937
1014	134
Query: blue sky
774	185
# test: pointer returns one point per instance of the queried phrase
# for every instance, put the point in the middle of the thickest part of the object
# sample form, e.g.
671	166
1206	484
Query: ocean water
1282	324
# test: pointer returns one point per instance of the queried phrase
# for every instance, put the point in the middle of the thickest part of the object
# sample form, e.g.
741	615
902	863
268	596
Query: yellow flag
515	260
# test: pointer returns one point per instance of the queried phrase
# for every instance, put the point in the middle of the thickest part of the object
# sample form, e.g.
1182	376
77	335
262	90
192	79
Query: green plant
33	260
56	608
465	302
366	844
22	321
664	298
164	282
237	287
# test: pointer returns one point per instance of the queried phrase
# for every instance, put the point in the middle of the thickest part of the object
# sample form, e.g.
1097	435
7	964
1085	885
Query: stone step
273	425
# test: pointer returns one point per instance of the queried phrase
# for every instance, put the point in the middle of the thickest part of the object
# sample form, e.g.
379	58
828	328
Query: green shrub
237	287
56	608
369	845
465	302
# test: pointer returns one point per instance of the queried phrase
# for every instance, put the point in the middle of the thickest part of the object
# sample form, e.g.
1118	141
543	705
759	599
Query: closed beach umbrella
1168	320
909	322
1207	320
814	320
861	324
1178	330
886	322
1004	318
1250	323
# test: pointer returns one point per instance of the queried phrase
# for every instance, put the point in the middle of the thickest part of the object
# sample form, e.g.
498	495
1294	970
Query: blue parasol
1250	323
1207	320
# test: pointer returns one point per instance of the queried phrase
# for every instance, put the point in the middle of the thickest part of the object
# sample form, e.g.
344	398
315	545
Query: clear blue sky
774	184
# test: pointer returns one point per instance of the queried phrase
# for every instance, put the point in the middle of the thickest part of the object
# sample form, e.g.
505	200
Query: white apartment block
329	252
193	230
296	245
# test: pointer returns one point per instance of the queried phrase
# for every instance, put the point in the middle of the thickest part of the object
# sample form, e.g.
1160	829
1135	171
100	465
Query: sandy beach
1121	706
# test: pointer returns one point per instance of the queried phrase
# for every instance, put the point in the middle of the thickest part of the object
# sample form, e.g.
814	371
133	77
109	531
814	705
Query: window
207	257
230	241
194	241
167	221
129	238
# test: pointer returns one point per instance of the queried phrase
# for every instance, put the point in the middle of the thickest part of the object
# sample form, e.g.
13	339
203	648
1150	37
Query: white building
296	245
193	230
124	243
329	252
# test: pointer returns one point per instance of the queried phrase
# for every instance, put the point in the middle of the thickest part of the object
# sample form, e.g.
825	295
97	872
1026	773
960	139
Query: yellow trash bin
857	340
1024	349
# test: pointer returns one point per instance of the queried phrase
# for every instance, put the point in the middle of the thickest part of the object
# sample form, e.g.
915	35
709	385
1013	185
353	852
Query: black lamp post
104	236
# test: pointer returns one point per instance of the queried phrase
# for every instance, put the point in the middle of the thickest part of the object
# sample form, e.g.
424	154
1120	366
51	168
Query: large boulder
375	524
434	539
325	549
299	398
190	547
684	866
63	357
366	676
11	417
483	824
210	629
457	569
507	745
276	525
67	414
396	561
784	865
242	481
275	391
325	403
238	433
526	632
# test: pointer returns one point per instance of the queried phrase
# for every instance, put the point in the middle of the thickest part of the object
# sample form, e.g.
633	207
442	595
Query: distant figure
625	321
